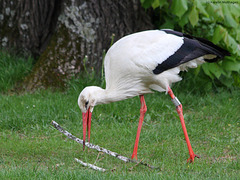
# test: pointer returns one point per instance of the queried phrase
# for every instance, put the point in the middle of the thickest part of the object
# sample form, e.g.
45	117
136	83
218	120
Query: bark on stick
90	165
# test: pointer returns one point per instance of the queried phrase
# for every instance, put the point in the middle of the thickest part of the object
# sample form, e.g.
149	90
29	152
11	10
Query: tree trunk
27	25
78	36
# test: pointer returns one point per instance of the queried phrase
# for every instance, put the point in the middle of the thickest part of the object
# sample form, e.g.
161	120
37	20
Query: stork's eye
86	104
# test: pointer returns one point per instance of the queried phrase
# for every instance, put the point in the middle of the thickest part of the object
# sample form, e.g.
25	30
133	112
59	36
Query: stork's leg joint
143	108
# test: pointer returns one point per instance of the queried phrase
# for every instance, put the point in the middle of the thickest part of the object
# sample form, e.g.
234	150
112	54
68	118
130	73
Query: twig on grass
98	157
90	165
89	145
98	148
131	168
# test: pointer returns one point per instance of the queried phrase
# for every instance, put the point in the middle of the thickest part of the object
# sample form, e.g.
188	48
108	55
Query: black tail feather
220	52
206	44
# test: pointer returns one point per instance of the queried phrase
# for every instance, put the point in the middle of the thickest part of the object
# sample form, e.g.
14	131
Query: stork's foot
191	159
134	156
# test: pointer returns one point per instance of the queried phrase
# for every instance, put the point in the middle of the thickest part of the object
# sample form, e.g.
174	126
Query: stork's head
87	99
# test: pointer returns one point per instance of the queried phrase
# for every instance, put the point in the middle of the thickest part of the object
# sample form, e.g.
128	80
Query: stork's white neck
93	95
103	96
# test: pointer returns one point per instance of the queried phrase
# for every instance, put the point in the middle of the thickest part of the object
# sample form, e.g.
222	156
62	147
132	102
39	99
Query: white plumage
145	61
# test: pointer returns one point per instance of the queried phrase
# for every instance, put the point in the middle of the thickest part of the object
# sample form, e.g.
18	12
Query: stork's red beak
86	125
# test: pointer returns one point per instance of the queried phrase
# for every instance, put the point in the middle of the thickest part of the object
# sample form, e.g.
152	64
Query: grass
12	70
32	149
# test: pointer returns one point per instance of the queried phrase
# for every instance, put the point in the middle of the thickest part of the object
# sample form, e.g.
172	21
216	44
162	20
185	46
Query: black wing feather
192	48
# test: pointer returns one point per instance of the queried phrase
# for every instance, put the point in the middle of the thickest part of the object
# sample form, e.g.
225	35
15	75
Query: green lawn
31	148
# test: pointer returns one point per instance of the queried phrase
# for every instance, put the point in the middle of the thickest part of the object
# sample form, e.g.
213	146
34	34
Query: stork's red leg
180	113
143	110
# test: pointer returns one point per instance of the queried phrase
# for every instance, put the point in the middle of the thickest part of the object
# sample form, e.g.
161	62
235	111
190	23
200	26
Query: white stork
141	62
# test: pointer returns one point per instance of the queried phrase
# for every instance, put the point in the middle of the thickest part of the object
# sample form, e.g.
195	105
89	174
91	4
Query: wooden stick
90	165
98	148
89	145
